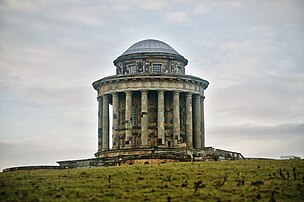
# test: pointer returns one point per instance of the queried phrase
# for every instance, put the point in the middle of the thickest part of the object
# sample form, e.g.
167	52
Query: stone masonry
155	104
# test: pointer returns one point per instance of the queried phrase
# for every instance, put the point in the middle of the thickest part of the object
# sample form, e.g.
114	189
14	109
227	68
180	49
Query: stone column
144	118
115	128
202	122
160	119
105	123
128	121
176	118
197	122
189	131
100	114
233	155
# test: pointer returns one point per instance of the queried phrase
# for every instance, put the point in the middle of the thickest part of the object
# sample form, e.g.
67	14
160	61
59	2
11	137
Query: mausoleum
155	104
157	112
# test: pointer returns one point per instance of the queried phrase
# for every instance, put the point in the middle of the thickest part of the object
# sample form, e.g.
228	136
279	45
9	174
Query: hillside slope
250	180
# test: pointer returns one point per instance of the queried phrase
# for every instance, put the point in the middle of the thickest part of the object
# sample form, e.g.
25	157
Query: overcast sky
251	52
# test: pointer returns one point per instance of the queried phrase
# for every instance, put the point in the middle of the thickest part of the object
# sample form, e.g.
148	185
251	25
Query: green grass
192	181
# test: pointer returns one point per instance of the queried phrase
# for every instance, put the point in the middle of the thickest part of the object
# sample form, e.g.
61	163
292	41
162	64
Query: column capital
197	96
105	96
144	91
189	94
99	98
160	91
114	94
203	97
128	92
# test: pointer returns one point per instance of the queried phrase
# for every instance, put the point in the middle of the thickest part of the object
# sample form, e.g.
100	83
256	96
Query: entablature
184	83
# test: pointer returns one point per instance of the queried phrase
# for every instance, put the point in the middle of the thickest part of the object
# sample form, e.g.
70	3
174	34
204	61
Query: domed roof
150	46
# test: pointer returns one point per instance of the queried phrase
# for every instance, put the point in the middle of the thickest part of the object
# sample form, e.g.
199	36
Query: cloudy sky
251	52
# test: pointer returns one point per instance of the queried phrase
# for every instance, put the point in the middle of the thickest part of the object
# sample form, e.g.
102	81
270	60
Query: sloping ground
250	180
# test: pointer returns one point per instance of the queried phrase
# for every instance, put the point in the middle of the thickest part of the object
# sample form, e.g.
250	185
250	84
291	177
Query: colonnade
195	132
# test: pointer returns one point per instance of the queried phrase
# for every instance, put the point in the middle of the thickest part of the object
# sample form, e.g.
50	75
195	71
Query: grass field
250	180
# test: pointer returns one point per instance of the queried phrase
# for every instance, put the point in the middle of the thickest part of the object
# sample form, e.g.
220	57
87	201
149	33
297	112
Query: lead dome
150	56
150	46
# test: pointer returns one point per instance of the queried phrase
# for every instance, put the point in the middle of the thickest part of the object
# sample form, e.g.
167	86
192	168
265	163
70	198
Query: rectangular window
179	69
156	68
140	67
132	69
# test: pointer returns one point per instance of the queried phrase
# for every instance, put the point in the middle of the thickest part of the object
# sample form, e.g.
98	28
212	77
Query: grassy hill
250	180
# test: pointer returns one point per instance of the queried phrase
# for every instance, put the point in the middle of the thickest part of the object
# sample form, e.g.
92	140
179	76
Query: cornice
150	55
117	79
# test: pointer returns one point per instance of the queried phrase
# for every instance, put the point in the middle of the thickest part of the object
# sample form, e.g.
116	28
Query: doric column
176	118
144	118
160	119
100	114
189	120
128	121
202	121
115	128
197	122
105	123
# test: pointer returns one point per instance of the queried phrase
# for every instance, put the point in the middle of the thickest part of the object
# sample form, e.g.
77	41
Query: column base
175	144
128	147
144	146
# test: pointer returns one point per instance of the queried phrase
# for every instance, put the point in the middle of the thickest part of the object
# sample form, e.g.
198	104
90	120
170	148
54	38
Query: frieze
134	83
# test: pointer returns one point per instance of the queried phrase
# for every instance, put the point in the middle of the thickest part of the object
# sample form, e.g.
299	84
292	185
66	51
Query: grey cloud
259	140
177	17
41	153
157	5
265	132
62	96
259	102
51	52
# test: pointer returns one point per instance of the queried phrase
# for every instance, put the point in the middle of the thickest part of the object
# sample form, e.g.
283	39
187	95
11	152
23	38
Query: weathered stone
105	125
128	121
115	122
144	118
160	119
176	118
197	122
155	104
189	131
153	121
100	122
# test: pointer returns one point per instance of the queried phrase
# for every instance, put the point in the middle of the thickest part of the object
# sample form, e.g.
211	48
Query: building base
151	155
141	156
